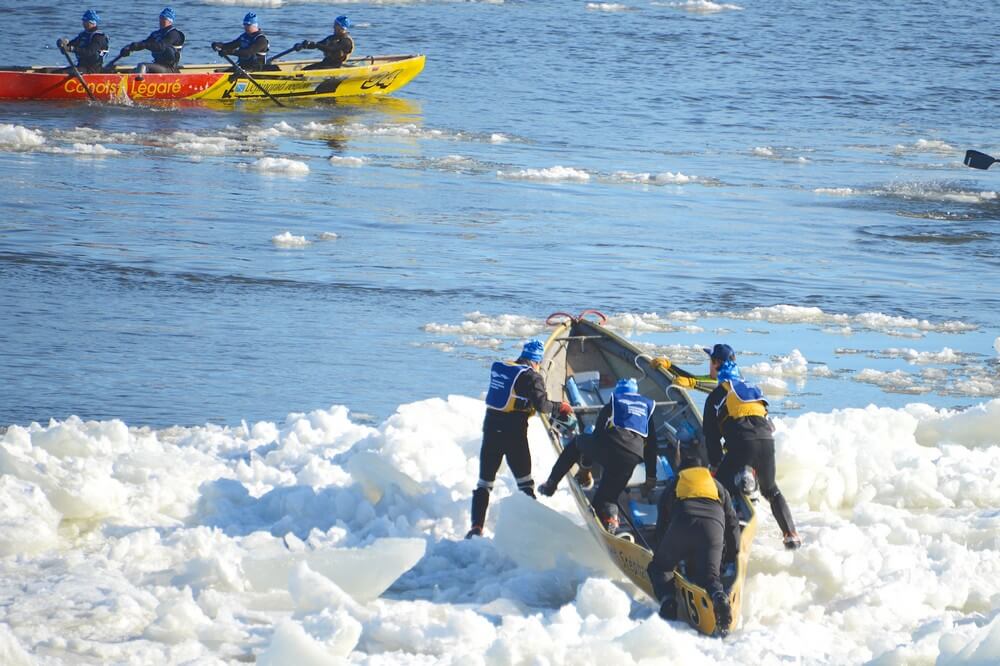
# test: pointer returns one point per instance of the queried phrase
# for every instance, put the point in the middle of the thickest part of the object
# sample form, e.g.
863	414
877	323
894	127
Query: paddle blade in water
978	160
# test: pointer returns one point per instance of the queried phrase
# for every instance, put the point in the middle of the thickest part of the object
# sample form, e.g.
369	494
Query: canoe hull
371	76
567	354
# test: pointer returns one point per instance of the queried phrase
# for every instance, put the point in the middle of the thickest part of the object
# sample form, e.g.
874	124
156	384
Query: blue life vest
168	55
83	42
631	411
501	396
257	59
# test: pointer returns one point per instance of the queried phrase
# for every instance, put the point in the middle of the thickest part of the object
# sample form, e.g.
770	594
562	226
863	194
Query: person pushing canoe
90	46
516	391
164	43
250	48
336	48
695	523
736	411
624	437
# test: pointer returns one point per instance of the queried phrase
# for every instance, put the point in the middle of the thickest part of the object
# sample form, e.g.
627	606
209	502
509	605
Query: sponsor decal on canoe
130	86
381	81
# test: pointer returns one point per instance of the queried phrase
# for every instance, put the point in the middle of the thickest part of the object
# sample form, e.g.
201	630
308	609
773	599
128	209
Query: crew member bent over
623	437
695	523
516	391
737	412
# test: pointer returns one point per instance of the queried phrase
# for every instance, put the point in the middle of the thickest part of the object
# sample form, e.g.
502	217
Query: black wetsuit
165	45
90	48
749	441
505	434
617	450
249	49
336	49
698	531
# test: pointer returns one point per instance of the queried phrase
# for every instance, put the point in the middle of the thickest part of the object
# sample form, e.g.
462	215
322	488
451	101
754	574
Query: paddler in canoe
250	48
336	48
90	46
164	44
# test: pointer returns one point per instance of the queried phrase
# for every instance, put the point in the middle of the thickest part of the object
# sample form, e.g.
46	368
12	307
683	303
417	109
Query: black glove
308	45
62	43
124	52
68	48
217	46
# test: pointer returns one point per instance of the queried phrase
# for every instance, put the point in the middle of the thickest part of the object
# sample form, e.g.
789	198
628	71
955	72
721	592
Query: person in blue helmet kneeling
336	48
90	46
516	391
623	437
250	48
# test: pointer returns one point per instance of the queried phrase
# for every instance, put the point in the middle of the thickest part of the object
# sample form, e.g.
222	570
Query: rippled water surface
643	157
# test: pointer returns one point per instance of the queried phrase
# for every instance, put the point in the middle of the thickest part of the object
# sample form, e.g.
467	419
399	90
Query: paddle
978	160
243	72
76	72
283	53
110	66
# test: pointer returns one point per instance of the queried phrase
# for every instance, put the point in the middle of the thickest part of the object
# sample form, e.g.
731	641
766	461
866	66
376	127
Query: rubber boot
585	478
476	531
723	613
792	541
548	488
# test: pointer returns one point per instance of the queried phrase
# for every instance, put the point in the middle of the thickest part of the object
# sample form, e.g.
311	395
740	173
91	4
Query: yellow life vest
737	406
696	483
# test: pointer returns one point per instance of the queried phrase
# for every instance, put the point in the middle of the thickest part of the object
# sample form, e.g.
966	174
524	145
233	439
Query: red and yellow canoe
373	75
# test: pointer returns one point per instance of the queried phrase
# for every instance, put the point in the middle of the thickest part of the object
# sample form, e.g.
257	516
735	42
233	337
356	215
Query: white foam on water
479	324
280	165
288	240
551	174
996	345
19	138
337	160
664	178
763	151
327	236
84	150
699	6
320	539
946	355
925	146
497	137
794	365
934	192
607	7
835	191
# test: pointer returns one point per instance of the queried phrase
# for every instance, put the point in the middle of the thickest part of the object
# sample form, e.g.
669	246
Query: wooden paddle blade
978	160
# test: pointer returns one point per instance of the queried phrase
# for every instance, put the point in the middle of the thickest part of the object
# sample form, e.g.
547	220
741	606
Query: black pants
497	445
617	466
698	542
157	68
759	454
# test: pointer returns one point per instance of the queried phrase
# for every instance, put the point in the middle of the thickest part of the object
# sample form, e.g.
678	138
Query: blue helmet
342	21
168	14
90	16
627	385
533	351
250	19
